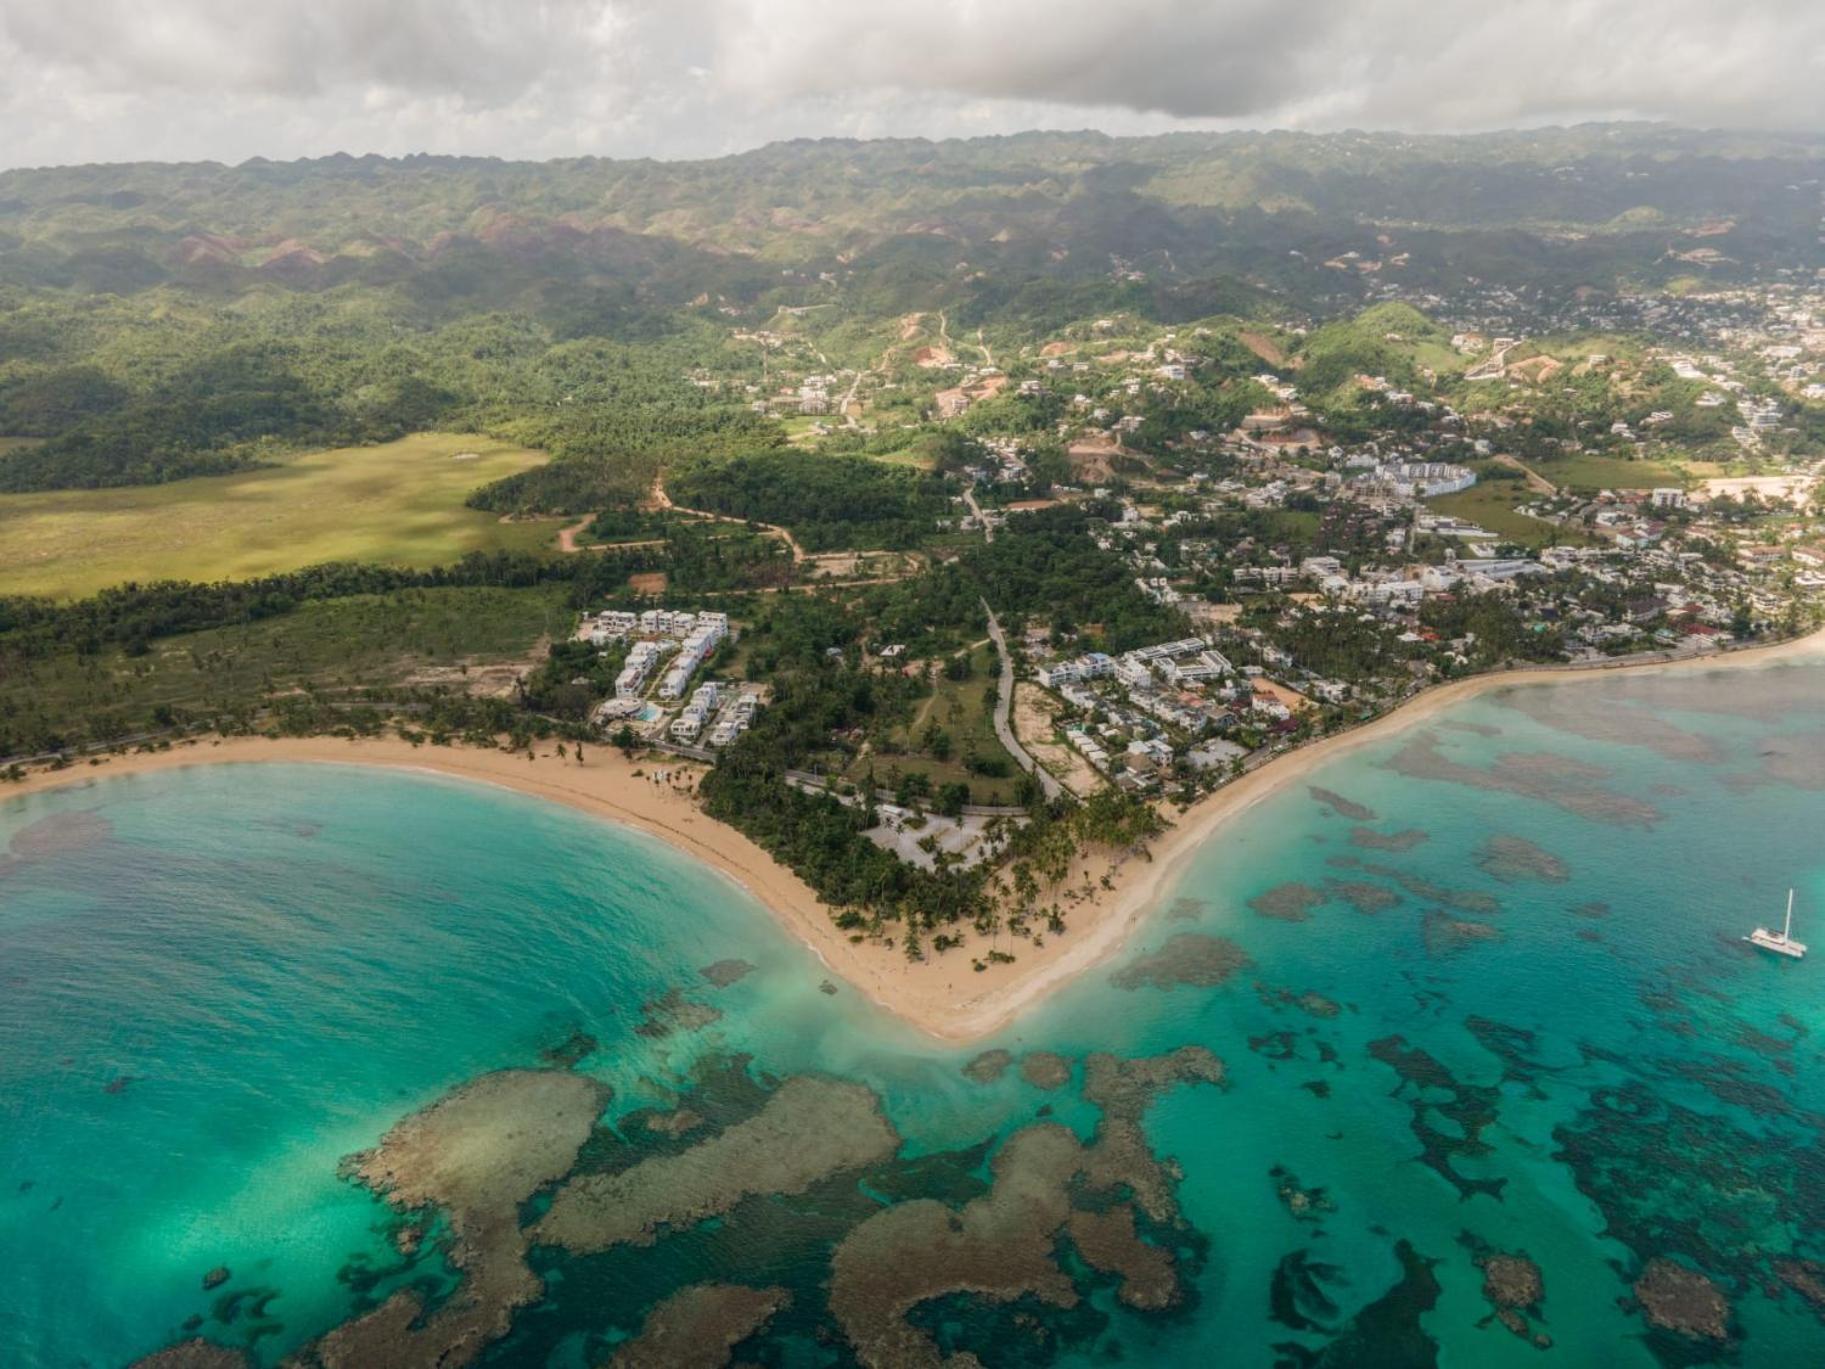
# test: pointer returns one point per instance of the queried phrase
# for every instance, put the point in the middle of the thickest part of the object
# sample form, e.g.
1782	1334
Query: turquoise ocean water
1495	1002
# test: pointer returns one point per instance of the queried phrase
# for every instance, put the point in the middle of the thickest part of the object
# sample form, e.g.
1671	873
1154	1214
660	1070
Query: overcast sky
116	80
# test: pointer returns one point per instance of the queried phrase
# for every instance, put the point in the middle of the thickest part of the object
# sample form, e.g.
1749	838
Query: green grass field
915	457
400	504
1578	348
959	708
1586	472
1491	505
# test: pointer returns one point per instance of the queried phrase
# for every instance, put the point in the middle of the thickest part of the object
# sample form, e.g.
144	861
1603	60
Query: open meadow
949	729
1492	505
1588	472
400	503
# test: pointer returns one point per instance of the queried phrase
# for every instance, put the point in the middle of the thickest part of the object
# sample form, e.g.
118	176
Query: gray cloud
1177	57
120	79
1416	63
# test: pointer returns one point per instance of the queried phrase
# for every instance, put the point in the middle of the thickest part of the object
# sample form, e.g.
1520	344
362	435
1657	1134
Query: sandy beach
942	997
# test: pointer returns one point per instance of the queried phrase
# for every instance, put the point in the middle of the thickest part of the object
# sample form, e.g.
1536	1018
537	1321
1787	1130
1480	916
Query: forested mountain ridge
1044	202
165	321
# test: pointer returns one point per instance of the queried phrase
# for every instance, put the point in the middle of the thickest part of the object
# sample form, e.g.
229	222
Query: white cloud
120	79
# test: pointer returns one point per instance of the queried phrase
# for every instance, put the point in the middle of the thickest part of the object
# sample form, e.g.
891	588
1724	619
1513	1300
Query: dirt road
664	501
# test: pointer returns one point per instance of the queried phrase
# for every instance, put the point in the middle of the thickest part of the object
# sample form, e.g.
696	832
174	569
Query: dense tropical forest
160	322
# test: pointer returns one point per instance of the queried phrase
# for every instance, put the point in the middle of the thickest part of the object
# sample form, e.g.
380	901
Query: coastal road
1004	702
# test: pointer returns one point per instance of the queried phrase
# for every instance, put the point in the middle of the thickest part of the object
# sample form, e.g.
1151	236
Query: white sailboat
1781	942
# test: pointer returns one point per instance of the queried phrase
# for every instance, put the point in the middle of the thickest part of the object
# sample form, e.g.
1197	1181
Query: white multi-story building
1206	665
1093	666
736	717
704	636
610	625
1090	748
1134	672
637	670
1425	479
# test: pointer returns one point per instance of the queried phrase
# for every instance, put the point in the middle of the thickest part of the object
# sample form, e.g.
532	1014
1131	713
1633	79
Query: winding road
662	500
1004	702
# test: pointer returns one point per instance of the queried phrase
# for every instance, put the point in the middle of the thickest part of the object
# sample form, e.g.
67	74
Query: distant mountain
1595	204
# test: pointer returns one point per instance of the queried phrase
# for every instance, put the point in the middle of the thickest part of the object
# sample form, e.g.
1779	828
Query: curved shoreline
945	998
1139	889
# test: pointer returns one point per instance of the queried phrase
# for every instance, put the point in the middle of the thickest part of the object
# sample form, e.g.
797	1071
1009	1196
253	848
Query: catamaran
1781	942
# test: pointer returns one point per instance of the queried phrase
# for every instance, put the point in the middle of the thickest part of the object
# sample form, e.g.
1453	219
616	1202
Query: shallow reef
1695	1189
193	1354
675	1123
1371	840
1468	1108
1473	729
698	1326
571	1051
1513	1286
1573	785
722	973
60	834
1447	935
1386	1332
475	1155
1303	1204
1674	1298
1343	807
1187	909
1310	1002
1187	958
673	1012
1511	859
1289	902
987	1067
1045	1070
1473	901
1805	1277
1002	1246
1363	896
808	1129
1598	715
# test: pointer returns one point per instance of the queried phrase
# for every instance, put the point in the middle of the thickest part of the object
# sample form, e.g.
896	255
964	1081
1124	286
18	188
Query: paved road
1004	701
988	533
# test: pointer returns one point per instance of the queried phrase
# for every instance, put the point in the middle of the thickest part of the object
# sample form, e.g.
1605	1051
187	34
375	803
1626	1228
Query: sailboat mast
1788	933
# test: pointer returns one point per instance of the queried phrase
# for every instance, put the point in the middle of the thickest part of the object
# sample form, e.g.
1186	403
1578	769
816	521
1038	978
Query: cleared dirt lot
1035	715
